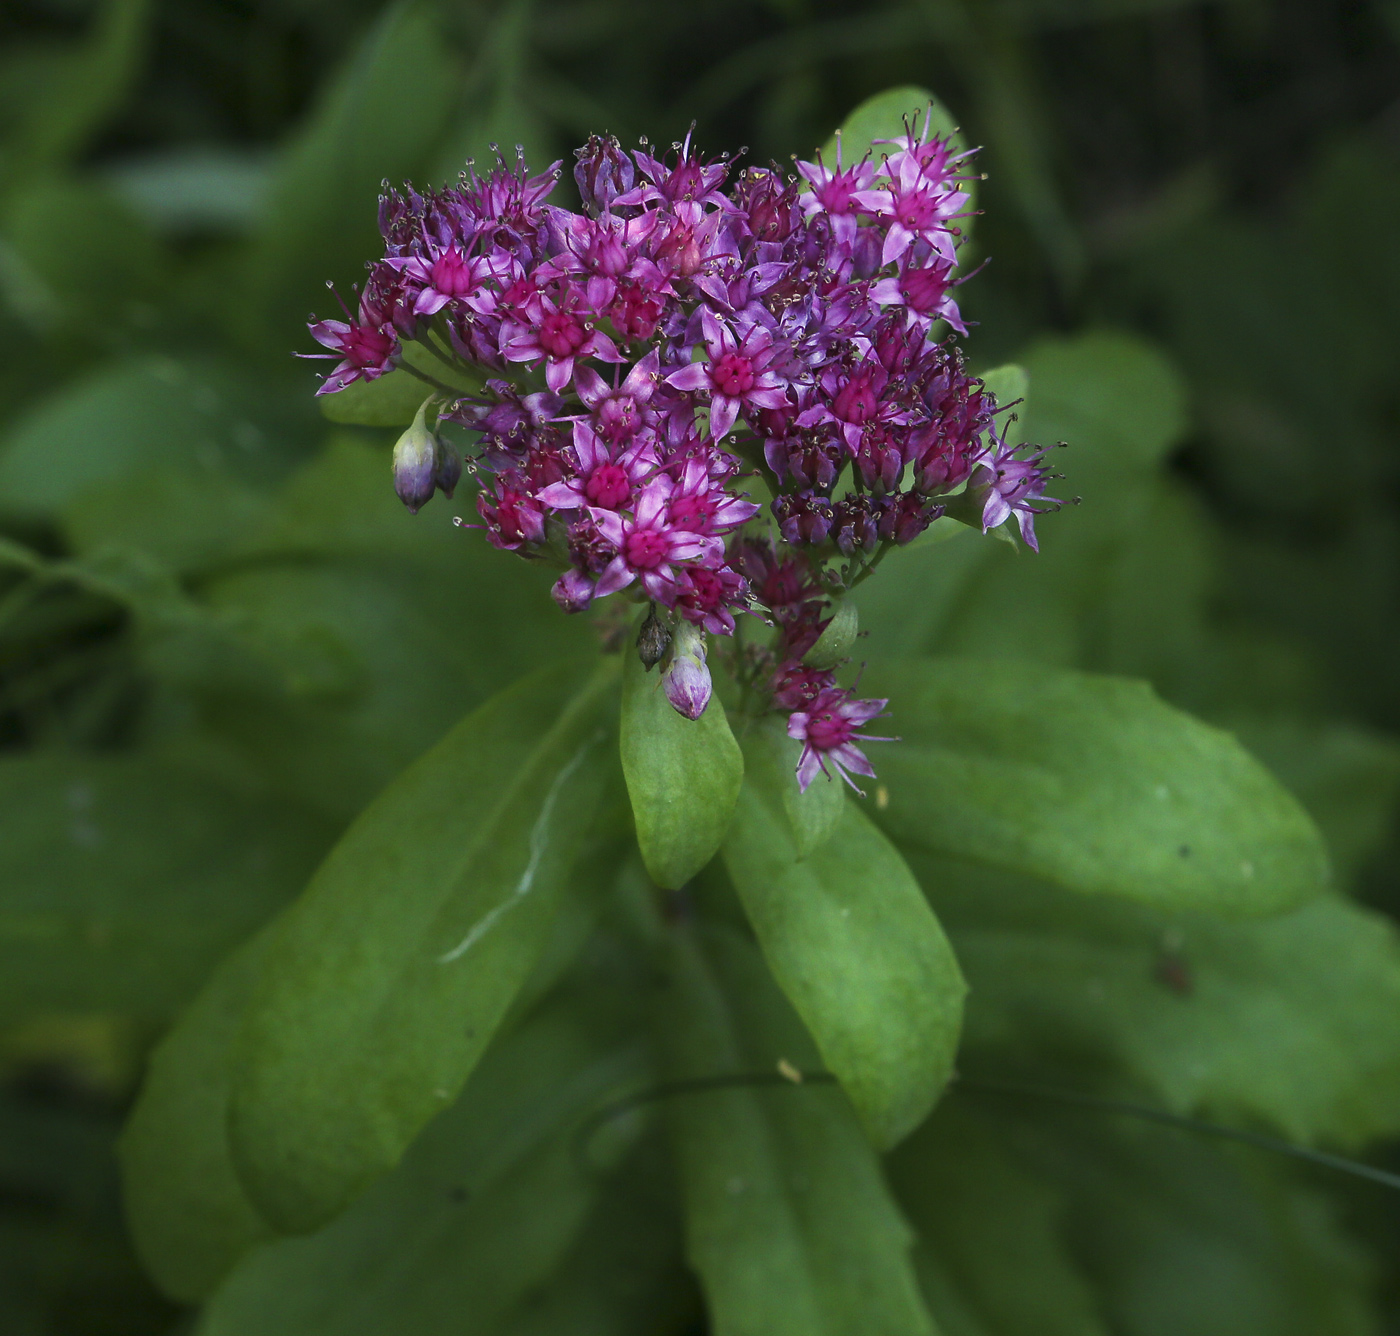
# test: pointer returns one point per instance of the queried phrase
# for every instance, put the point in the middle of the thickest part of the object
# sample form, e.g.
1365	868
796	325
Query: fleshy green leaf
1292	1020
683	776
992	1248
189	1216
390	401
133	417
385	981
1091	782
350	635
1147	1208
788	1222
920	587
482	1209
122	880
1347	778
812	816
626	1275
1120	406
852	941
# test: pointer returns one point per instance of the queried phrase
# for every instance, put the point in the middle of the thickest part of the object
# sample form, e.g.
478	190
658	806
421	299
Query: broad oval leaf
859	953
788	1221
389	401
812	816
385	981
189	1216
1292	1021
123	880
1010	383
683	777
1091	782
992	1247
480	1212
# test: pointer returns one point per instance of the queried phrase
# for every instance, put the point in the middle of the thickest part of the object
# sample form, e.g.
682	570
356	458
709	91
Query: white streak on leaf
539	838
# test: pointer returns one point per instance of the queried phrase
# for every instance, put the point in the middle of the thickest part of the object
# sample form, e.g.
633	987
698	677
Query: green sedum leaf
992	1247
1009	383
812	816
1093	783
1263	1255
480	1212
385	981
189	1216
1293	1020
788	1221
854	945
124	879
683	776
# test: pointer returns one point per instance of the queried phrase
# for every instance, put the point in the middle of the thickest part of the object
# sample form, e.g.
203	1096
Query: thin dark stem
699	1085
1146	1112
431	380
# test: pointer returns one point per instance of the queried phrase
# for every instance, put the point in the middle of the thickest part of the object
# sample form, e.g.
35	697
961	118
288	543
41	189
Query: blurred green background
219	634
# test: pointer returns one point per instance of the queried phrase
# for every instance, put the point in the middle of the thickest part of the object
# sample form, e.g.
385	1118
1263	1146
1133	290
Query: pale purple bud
687	677
573	591
415	463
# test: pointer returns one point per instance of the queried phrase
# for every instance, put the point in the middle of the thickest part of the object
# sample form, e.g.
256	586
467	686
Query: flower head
645	357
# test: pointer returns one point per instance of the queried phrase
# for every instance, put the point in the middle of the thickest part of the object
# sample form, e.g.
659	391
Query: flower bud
652	641
415	462
687	677
573	591
834	643
448	471
603	172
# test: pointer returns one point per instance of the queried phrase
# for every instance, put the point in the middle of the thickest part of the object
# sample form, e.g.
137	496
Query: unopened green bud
835	642
415	462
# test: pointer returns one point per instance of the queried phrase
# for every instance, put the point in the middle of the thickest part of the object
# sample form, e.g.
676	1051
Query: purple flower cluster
684	336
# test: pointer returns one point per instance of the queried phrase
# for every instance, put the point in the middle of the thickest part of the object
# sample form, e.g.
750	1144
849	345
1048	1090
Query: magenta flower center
647	548
451	276
828	730
923	288
609	486
732	374
836	194
366	346
561	335
616	417
692	513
